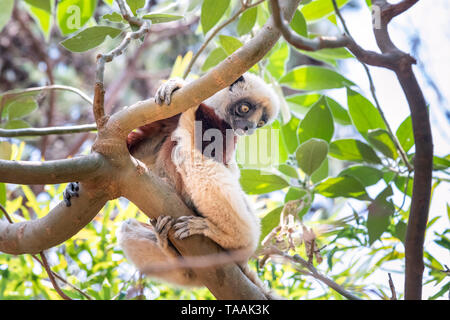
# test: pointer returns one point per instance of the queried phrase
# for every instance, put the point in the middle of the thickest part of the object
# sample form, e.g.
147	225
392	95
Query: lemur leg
164	93
144	244
70	192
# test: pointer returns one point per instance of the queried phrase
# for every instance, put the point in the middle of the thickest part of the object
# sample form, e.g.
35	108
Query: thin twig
296	259
391	285
32	132
52	278
402	152
44	263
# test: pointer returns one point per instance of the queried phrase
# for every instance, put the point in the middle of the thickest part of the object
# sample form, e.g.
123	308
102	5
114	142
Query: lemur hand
71	191
165	91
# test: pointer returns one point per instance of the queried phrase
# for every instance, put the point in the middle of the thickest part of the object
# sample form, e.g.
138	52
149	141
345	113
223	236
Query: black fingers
70	192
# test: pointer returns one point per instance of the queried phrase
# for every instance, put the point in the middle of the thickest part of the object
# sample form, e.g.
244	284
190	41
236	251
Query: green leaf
255	181
45	5
212	11
298	24
328	55
16	124
270	221
289	134
41	11
294	194
214	57
2	195
21	107
441	163
247	21
363	113
5	13
288	170
276	62
347	186
73	14
311	154
405	134
382	141
368	176
161	17
380	211
135	5
301	103
113	17
317	123
353	150
400	183
400	231
229	44
314	78
321	173
90	38
318	9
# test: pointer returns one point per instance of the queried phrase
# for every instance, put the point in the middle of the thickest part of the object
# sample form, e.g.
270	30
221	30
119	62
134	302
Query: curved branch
57	226
50	172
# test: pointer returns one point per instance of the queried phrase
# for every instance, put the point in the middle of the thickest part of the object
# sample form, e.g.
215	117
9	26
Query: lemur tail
253	277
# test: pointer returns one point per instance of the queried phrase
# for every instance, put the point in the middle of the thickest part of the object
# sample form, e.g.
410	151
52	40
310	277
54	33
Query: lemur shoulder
195	153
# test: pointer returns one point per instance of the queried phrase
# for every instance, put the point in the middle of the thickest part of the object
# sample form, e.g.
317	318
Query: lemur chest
213	136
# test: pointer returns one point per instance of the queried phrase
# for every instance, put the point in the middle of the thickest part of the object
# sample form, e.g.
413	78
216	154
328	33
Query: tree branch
32	132
50	172
57	226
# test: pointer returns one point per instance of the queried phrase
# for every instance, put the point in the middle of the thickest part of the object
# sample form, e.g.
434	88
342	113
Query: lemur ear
241	78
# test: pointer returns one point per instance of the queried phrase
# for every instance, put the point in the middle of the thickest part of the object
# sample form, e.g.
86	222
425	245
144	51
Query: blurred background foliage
335	153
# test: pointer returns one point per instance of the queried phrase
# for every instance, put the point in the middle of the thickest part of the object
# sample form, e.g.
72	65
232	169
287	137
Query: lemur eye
244	108
261	123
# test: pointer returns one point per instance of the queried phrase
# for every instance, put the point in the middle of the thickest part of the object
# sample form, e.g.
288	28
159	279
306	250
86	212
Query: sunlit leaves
311	154
319	9
90	38
41	11
382	141
353	150
135	5
247	21
156	18
215	56
342	187
258	182
229	44
314	78
405	134
380	211
298	24
302	102
317	123
366	175
212	11
21	107
73	14
270	221
364	115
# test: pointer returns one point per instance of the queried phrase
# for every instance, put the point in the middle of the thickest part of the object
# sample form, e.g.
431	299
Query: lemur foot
71	191
189	225
162	225
165	91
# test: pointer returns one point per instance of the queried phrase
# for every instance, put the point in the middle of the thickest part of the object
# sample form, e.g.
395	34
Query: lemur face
251	104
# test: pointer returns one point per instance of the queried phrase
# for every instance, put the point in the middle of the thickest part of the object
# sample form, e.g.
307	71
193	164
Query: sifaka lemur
195	153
